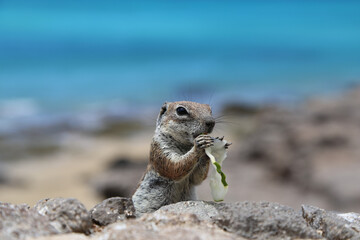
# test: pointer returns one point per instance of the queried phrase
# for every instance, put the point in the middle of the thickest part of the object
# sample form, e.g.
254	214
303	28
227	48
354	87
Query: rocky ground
115	218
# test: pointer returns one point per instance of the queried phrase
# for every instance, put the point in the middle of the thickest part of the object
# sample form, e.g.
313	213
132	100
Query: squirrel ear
163	109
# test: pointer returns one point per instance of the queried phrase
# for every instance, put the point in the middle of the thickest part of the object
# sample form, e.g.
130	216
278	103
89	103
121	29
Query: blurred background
81	84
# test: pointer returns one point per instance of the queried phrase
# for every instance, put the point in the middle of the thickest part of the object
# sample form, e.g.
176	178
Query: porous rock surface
19	221
333	226
120	178
65	214
111	210
167	226
260	220
156	226
184	220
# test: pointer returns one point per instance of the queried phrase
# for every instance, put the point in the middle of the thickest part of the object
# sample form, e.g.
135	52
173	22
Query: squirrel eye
181	111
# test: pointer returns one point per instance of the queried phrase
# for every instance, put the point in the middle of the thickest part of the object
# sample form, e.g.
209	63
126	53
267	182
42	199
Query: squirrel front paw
204	141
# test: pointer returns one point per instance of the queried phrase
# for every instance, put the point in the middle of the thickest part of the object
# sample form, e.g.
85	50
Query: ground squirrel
177	157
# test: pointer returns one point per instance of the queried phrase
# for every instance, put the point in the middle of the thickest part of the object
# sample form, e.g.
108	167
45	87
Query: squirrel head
184	120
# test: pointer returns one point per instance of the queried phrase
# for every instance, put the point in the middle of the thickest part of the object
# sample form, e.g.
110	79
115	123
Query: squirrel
178	161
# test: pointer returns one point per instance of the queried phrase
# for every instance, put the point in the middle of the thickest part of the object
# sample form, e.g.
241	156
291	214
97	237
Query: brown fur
172	170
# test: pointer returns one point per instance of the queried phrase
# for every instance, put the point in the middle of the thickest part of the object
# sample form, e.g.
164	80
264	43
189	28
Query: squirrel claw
227	145
220	138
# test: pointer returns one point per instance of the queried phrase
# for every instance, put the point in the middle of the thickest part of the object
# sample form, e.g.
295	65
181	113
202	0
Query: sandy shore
69	172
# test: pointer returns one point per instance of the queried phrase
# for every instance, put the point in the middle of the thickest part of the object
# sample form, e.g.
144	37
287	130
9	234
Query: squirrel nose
210	123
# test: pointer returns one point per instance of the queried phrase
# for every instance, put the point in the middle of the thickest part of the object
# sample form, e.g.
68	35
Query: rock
276	145
68	236
65	214
109	185
249	219
157	226
166	225
19	222
333	225
123	162
353	218
183	220
241	109
263	220
112	210
205	211
3	178
120	179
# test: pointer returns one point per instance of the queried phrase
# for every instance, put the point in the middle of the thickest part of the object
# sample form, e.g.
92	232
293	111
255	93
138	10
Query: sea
77	60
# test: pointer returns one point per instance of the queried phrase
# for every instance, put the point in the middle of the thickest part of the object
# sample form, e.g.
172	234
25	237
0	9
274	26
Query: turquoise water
69	54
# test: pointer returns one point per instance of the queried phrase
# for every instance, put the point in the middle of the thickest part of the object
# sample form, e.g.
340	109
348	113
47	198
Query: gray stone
19	222
352	218
157	226
183	220
120	178
3	176
333	225
65	214
260	220
112	210
263	220
205	211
